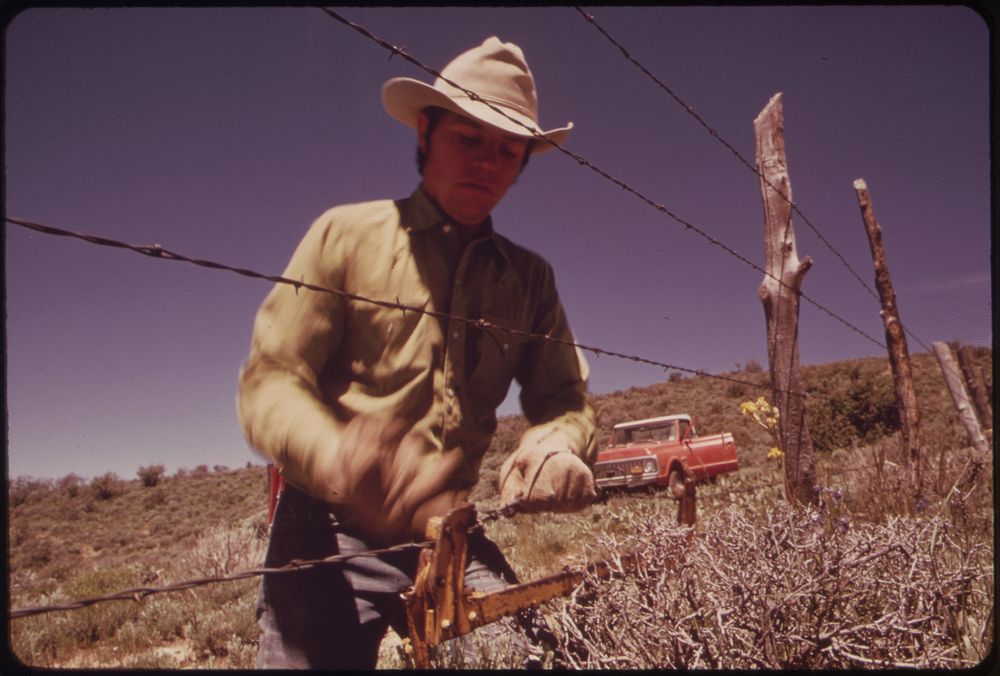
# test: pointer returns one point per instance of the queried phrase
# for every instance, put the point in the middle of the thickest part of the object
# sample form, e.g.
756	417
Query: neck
466	232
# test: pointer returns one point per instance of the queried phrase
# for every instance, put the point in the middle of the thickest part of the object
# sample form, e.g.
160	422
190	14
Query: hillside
70	539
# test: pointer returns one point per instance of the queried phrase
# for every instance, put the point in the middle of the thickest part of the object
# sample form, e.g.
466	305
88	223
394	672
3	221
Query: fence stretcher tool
439	606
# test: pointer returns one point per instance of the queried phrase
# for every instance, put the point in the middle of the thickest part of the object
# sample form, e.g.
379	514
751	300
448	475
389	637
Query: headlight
649	466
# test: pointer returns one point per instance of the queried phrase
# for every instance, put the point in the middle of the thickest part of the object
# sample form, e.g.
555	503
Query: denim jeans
334	616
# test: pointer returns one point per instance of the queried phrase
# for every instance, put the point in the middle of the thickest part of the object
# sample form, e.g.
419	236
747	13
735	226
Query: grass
70	539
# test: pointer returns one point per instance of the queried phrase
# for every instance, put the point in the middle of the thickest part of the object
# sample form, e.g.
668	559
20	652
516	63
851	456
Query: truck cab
662	451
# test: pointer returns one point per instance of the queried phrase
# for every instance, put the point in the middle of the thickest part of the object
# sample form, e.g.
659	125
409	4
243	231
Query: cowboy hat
495	71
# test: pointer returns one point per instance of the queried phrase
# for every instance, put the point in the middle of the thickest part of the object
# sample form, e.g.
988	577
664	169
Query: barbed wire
395	50
297	565
739	156
400	51
715	134
159	252
138	594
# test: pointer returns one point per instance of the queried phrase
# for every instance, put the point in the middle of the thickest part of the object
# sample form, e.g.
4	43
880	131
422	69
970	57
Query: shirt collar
420	212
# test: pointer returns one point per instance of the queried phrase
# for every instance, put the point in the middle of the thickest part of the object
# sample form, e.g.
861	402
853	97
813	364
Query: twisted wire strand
715	134
400	51
297	565
139	593
505	511
159	252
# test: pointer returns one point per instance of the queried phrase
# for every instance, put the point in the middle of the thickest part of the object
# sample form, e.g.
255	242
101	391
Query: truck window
644	434
685	425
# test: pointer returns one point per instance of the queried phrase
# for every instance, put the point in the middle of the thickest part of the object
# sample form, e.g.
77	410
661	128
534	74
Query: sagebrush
864	580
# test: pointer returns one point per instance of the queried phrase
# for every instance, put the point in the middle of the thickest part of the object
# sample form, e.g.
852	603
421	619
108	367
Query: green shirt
317	361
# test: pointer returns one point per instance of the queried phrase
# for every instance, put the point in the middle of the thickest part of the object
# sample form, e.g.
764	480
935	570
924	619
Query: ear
422	123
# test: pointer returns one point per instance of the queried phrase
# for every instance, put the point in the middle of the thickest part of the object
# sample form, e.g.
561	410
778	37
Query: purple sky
223	133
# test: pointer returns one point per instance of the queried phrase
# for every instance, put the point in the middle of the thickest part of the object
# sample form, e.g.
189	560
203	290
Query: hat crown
493	85
497	72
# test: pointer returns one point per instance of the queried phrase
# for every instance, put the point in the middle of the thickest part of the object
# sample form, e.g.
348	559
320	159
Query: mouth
475	187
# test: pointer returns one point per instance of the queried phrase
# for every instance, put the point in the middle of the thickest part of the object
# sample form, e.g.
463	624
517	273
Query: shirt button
455	335
446	229
450	392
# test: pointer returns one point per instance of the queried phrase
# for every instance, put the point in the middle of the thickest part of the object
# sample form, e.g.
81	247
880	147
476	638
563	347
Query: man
379	418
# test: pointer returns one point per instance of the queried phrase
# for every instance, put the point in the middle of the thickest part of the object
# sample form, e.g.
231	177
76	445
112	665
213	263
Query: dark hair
434	114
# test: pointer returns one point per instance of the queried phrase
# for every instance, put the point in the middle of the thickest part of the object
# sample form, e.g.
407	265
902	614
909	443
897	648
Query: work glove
373	474
541	475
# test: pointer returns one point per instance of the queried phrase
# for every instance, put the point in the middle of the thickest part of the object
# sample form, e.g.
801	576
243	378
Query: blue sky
222	133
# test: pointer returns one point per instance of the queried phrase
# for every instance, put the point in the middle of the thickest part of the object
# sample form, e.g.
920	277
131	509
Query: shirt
377	409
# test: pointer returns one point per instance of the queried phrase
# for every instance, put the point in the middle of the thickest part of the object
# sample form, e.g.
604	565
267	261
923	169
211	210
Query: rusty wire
140	593
400	51
157	251
297	565
718	137
715	134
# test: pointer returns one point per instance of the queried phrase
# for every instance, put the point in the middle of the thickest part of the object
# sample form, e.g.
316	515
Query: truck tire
675	483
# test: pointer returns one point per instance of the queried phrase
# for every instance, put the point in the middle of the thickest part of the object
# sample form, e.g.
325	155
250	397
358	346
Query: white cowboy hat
495	71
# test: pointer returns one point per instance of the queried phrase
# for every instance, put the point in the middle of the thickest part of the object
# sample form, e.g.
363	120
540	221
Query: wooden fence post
687	506
972	381
899	355
779	292
960	397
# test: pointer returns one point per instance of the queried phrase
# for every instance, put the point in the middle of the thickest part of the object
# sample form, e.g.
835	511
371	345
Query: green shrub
860	408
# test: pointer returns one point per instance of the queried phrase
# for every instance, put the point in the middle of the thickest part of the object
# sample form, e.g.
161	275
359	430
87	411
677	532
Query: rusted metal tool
439	607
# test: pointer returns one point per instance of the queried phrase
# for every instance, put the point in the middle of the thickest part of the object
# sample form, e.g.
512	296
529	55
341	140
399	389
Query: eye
468	140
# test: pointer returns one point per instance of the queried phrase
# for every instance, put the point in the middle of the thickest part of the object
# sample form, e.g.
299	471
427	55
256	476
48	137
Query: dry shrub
25	489
107	486
225	549
151	475
787	588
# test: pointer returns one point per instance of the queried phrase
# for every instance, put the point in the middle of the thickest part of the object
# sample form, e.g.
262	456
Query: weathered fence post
687	506
972	381
899	355
779	292
960	397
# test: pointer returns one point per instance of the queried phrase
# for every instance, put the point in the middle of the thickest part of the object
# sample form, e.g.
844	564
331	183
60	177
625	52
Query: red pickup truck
663	452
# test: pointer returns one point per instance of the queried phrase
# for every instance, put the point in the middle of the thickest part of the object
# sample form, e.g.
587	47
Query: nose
487	154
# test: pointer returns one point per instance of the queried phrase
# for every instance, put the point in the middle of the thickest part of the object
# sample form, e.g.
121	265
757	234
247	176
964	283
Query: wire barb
713	132
478	323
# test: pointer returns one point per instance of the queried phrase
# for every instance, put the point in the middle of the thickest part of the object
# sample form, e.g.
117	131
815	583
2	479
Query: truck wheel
675	482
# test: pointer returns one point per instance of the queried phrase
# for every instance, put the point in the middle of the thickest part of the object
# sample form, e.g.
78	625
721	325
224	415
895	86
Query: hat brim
403	98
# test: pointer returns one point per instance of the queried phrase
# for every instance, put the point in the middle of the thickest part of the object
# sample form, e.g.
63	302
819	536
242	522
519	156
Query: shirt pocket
386	342
498	351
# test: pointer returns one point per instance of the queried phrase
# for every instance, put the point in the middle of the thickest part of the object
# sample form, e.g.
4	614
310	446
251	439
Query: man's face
469	165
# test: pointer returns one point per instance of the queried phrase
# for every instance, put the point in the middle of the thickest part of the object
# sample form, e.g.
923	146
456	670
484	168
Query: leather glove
542	479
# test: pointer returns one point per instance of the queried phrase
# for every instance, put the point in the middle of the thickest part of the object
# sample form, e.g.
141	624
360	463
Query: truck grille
624	472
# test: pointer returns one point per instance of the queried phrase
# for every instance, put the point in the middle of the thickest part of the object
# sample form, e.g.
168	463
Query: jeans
334	616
